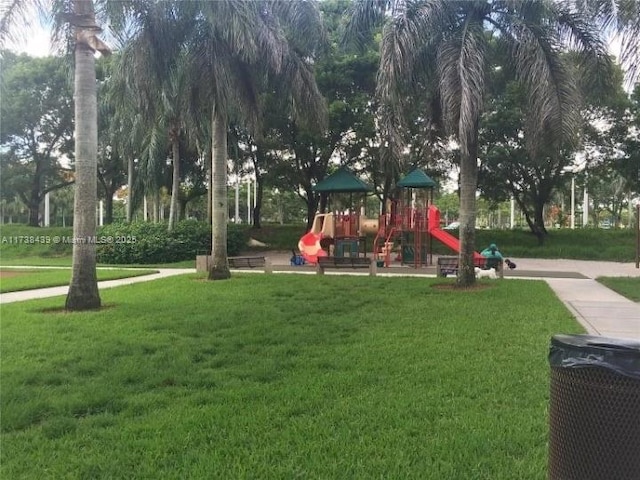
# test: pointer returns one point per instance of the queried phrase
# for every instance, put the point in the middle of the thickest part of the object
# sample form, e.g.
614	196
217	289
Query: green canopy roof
342	181
417	179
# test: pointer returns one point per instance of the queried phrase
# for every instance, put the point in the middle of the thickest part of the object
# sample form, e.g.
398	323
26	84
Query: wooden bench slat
345	262
249	262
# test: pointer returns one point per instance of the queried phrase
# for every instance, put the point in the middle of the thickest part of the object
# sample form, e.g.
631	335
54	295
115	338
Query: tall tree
83	290
78	16
37	128
446	44
238	43
154	66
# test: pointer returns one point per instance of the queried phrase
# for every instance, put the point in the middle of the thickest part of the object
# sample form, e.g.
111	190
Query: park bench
203	262
250	262
448	265
346	262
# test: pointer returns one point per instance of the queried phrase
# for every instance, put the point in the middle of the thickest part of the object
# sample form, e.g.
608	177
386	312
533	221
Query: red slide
309	246
434	230
449	240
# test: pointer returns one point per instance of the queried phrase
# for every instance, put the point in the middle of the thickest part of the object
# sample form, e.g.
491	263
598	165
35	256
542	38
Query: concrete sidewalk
11	297
598	309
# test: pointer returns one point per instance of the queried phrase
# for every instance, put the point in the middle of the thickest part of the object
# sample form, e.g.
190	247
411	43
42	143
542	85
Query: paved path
57	291
598	309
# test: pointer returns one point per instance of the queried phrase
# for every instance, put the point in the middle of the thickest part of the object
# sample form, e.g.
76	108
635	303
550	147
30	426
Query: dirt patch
12	273
62	310
452	287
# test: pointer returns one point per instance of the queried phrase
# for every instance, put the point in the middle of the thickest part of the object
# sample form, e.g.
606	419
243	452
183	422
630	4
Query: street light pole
573	202
638	235
585	205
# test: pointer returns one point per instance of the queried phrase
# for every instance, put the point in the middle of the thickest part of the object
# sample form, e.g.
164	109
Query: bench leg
268	267
319	269
373	268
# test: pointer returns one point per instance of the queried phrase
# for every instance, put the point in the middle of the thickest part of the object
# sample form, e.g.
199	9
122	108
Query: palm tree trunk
83	290
175	187
108	209
207	155
468	184
156	205
258	199
219	268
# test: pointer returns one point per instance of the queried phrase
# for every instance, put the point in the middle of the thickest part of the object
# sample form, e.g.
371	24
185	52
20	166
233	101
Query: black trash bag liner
579	351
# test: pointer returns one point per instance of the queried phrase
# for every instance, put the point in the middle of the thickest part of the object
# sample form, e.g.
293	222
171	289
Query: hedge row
147	243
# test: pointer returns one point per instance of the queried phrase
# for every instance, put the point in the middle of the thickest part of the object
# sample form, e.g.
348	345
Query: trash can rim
584	351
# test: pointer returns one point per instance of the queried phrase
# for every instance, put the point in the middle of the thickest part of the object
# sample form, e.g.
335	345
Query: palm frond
577	32
407	54
304	23
234	22
308	106
363	17
17	16
616	18
552	93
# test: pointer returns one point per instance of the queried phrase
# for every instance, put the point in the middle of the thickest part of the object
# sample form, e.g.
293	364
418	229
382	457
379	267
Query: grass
12	280
65	261
627	286
282	377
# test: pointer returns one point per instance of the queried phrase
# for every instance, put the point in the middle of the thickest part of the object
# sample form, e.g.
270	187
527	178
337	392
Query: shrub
146	243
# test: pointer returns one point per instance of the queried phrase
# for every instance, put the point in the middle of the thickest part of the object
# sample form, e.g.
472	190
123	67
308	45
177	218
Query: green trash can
594	408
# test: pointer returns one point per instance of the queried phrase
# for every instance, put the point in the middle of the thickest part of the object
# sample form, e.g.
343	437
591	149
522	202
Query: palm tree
238	44
79	14
154	66
83	291
446	44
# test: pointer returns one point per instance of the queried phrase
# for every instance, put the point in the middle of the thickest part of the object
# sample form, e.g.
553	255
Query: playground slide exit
310	249
446	238
309	244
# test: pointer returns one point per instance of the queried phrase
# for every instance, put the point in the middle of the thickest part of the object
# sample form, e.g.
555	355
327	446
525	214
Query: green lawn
12	279
627	286
281	377
65	261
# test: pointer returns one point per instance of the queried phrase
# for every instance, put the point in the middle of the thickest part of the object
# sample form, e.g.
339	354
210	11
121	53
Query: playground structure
412	222
414	227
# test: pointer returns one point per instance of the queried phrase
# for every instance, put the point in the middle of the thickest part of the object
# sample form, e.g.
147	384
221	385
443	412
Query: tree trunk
312	206
34	214
209	188
258	200
219	268
175	187
156	205
33	203
83	290
468	185
130	189
108	208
